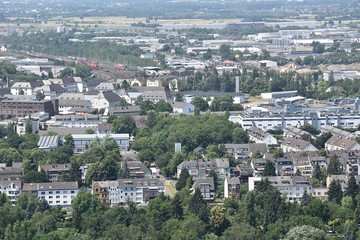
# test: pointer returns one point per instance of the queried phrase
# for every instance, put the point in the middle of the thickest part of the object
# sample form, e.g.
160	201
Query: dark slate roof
56	88
93	82
68	80
111	96
36	84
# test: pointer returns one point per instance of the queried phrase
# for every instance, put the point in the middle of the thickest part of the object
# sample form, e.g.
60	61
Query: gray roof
56	88
28	187
6	183
234	181
295	143
111	96
201	181
124	110
61	167
62	131
135	166
93	82
48	142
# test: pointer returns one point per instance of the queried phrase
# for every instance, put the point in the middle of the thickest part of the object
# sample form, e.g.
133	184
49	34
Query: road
169	188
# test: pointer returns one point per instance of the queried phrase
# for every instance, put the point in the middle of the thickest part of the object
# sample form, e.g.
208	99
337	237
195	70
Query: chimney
237	84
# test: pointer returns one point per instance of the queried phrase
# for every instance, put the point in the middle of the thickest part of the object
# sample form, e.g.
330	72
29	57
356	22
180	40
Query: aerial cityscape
180	120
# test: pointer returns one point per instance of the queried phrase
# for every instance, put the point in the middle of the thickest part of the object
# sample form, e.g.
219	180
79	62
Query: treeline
261	214
59	45
156	141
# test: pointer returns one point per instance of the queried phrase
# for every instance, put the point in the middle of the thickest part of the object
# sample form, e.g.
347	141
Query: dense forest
260	214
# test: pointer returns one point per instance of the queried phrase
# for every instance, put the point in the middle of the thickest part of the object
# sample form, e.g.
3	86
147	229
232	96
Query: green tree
218	219
181	183
239	135
225	51
352	188
335	192
317	172
124	124
200	103
334	166
269	169
83	203
278	153
35	177
241	231
305	233
163	106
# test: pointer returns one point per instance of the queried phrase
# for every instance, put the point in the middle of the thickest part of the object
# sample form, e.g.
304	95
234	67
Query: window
65	202
72	192
57	201
50	196
42	193
50	192
57	192
50	202
57	196
64	191
65	196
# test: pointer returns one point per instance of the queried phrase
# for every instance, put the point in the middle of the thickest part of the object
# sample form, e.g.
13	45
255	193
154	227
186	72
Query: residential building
59	194
137	169
183	107
50	91
232	187
55	172
206	187
276	121
105	86
91	84
258	166
336	131
118	192
104	100
320	193
15	172
202	168
295	132
244	151
297	145
291	187
82	141
341	143
25	88
11	188
259	136
68	101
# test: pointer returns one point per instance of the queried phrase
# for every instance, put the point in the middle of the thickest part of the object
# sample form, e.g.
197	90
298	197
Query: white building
11	189
105	100
55	193
118	192
341	143
297	145
183	107
291	187
283	94
82	141
281	121
259	136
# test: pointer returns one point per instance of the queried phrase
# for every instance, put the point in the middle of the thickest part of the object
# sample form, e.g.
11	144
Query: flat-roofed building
58	194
